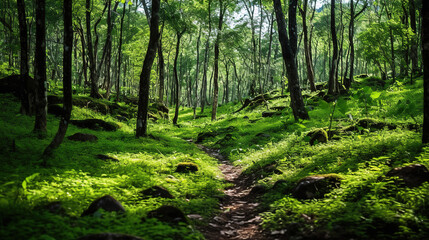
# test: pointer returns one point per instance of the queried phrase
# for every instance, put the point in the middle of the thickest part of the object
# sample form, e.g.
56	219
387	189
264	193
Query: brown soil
239	214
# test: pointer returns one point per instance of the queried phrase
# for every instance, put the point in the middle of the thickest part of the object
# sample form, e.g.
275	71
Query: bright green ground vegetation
365	206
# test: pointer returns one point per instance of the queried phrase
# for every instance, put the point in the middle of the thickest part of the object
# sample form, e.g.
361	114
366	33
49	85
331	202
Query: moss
318	136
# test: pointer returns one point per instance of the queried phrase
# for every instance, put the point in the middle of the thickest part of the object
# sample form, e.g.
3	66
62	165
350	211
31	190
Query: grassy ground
364	206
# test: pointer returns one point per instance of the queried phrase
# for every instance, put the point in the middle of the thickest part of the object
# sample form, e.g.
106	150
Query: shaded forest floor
350	191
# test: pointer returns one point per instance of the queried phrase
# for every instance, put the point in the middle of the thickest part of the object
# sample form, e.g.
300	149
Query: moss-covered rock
316	186
168	214
318	136
107	203
412	175
186	167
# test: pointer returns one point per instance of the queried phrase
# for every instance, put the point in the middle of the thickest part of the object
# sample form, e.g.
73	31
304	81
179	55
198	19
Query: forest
214	119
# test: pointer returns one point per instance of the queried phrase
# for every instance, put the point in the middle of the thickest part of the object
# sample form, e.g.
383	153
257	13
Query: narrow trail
239	217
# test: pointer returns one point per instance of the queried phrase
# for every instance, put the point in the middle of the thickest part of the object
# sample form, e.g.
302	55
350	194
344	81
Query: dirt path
239	217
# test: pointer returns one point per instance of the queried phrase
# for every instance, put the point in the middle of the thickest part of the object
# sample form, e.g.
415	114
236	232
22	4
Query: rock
95	124
362	76
83	137
258	190
107	203
157	191
108	236
318	136
263	135
55	109
412	175
374	124
168	214
204	135
11	84
186	167
107	158
268	114
316	186
246	117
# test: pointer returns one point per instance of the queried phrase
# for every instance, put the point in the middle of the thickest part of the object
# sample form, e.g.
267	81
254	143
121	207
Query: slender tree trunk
307	50
161	66
413	52
118	88
425	58
40	70
197	72
141	129
206	59
289	57
27	93
251	11
222	10
333	70
348	82
67	81
109	49
176	78
92	64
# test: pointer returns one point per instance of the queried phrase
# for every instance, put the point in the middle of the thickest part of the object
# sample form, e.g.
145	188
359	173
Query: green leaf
375	95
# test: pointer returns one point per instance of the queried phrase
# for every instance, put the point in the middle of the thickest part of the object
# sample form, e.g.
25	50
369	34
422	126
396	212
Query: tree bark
67	81
141	129
118	88
92	64
40	70
206	59
297	103
161	66
425	58
216	60
176	78
27	93
413	52
332	88
197	72
307	50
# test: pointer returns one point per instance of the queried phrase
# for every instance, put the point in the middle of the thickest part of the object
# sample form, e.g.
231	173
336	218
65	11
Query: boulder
168	214
108	236
107	158
186	167
95	124
318	136
258	190
156	191
280	184
412	175
83	137
204	135
315	186
107	203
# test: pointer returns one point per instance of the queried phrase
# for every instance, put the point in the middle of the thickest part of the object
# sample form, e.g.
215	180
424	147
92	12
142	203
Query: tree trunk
92	64
348	82
332	88
141	129
425	56
206	59
222	10
67	81
413	52
197	71
176	78
118	88
297	103
308	61
40	69
27	93
161	66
